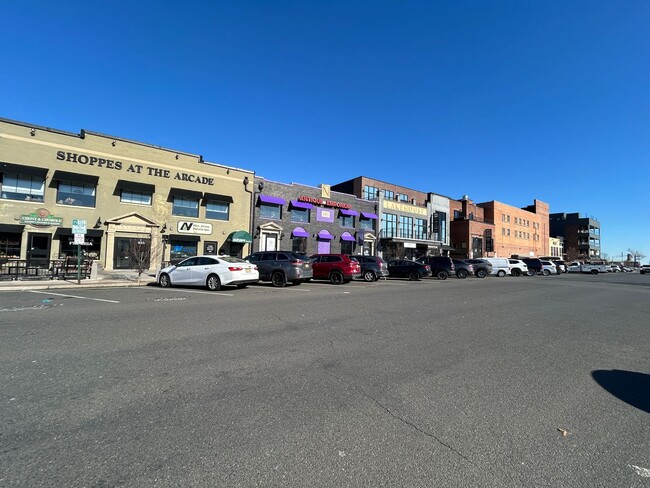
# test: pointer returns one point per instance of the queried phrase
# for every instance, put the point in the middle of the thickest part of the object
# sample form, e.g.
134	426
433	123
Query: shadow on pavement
631	387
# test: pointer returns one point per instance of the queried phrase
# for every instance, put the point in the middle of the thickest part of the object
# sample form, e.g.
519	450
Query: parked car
517	267
372	267
644	269
337	268
558	262
209	271
534	265
578	267
403	268
615	268
482	268
463	269
500	266
282	267
548	268
441	266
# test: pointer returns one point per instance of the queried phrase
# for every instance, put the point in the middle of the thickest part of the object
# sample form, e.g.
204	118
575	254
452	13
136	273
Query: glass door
38	249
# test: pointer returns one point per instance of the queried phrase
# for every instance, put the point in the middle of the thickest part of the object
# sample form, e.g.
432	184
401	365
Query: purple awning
272	199
346	236
323	234
368	215
349	212
300	232
297	204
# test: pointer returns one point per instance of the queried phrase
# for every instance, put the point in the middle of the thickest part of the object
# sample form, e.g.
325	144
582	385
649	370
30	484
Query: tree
637	256
140	252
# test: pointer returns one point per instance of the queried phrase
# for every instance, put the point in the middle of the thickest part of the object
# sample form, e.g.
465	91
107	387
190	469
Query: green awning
240	236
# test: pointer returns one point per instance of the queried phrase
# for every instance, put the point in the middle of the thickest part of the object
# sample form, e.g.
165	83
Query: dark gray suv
372	267
280	267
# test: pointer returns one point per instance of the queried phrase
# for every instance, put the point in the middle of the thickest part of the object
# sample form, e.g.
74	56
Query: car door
396	268
182	275
202	269
267	264
317	266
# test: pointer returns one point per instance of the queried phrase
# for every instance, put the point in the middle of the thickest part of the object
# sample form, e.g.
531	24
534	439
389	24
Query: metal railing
52	269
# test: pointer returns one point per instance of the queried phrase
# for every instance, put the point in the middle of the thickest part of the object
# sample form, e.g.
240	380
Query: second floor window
300	215
370	192
22	187
405	227
139	197
270	211
420	229
78	194
366	224
389	225
217	210
346	221
185	207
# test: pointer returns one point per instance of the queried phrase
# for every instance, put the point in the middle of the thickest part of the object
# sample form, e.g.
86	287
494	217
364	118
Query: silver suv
282	267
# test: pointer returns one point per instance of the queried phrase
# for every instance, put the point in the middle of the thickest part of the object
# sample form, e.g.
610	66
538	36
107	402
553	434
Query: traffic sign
79	239
78	226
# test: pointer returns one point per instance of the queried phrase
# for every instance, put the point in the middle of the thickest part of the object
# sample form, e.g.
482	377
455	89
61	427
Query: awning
324	234
182	192
12	228
135	186
215	197
272	199
240	236
349	212
297	204
346	236
299	232
183	237
22	169
67	231
368	215
75	177
445	247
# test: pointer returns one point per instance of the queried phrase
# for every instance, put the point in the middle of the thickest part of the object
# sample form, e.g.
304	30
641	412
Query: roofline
381	181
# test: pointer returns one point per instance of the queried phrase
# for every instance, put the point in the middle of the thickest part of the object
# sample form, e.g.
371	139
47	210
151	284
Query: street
504	382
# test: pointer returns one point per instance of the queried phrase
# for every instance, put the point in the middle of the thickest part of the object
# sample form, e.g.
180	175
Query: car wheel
481	273
213	283
336	278
369	276
165	281
278	280
531	272
414	276
515	272
442	275
461	273
296	282
501	273
594	271
546	272
242	285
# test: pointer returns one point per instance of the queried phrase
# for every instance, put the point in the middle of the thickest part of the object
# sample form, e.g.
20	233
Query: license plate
248	270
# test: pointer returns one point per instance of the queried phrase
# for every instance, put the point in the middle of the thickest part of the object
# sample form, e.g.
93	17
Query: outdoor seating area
55	269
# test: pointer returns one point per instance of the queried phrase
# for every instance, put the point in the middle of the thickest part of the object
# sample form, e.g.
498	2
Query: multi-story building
412	223
581	234
472	234
165	203
311	219
556	245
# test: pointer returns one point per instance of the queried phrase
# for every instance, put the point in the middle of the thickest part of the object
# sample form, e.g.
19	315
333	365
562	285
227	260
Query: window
23	187
402	198
439	229
185	207
346	221
139	197
389	195
456	214
508	218
370	192
270	211
406	227
508	232
347	247
420	229
10	245
503	217
217	210
181	250
389	225
299	244
503	231
78	194
366	224
471	216
300	215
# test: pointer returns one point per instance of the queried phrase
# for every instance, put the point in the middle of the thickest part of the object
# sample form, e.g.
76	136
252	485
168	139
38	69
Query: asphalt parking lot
531	381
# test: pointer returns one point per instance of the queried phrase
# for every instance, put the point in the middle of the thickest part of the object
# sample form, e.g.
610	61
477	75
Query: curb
66	286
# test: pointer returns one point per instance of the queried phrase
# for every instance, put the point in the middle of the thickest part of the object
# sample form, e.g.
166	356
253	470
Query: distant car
337	268
548	268
209	271
615	268
482	268
557	261
500	266
517	267
372	267
463	269
645	269
403	268
441	266
534	265
282	267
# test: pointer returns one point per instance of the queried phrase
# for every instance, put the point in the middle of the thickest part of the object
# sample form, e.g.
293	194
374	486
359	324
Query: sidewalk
126	278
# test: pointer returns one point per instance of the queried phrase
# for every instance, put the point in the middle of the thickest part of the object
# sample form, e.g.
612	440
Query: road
504	382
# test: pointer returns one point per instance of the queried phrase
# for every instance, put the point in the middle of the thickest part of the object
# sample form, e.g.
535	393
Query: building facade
134	198
312	220
472	235
581	234
556	244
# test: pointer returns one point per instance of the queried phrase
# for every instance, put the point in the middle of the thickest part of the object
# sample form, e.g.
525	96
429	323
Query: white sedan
209	271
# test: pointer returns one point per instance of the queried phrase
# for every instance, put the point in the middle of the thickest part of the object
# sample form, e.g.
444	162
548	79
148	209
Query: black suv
441	266
372	267
482	268
534	265
280	267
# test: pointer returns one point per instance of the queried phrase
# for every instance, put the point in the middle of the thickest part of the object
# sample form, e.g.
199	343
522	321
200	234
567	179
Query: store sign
186	227
410	245
404	207
327	203
41	218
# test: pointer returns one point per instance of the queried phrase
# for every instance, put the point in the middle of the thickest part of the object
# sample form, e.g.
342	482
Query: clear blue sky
500	100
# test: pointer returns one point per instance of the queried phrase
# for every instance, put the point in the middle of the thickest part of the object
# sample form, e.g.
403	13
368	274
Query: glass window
270	211
503	231
10	245
130	196
217	210
442	216
185	207
347	247
346	221
420	229
403	197
366	224
78	194
299	244
370	192
389	195
23	187
456	214
181	250
406	227
389	225
300	215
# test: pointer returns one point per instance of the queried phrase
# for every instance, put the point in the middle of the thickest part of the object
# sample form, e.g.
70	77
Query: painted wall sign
133	168
324	215
186	227
41	218
327	203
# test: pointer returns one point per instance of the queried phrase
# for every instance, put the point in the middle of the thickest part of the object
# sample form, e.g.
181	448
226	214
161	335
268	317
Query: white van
500	266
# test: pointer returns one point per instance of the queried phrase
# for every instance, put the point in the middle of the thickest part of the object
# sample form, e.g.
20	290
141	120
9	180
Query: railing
53	269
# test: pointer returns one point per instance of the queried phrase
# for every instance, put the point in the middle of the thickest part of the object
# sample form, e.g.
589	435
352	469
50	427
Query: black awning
75	177
67	231
22	169
182	192
217	198
12	228
184	237
135	186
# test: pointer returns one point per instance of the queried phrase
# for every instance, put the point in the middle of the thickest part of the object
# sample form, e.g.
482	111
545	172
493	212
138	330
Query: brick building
471	233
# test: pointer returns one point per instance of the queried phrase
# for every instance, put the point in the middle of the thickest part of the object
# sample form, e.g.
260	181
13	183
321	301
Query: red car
337	268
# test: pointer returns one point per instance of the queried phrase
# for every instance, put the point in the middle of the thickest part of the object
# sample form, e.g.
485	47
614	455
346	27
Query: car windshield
230	259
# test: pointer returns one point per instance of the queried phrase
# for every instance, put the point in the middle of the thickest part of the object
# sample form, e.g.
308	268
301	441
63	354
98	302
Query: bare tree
140	253
637	256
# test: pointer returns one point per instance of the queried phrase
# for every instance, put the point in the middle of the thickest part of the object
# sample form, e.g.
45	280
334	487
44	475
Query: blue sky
500	100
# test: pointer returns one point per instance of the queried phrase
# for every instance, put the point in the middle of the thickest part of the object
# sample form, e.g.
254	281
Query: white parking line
286	288
74	296
178	290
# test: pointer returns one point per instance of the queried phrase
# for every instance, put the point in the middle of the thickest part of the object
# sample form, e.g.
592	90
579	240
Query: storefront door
269	242
38	249
132	253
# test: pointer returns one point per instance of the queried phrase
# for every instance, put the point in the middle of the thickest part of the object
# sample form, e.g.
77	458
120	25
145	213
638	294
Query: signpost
79	231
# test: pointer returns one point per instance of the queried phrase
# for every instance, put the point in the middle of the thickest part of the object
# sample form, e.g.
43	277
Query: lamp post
253	193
